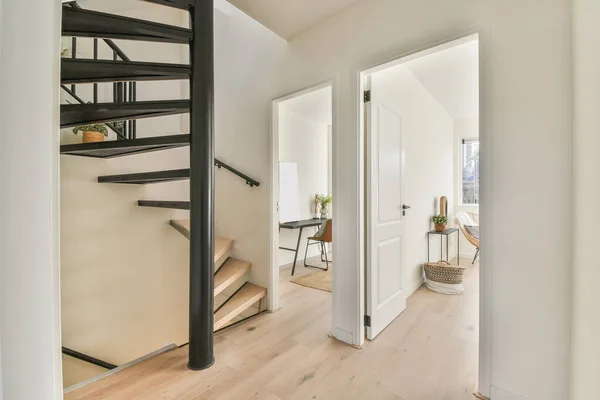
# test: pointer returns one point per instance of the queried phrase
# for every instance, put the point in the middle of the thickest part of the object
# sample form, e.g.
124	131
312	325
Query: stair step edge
232	270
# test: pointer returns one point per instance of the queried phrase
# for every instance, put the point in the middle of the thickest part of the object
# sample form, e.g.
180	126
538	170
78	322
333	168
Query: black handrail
86	358
249	181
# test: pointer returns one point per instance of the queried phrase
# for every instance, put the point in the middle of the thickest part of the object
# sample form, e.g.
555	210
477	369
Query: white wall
125	270
29	208
525	78
429	157
586	267
305	142
464	128
1	391
248	65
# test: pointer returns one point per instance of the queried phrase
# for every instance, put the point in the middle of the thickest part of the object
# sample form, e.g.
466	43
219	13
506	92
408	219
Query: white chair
469	225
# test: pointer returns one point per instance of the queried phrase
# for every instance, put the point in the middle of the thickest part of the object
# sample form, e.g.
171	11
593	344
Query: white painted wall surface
249	61
29	208
1	391
125	270
525	78
429	156
586	266
463	129
303	141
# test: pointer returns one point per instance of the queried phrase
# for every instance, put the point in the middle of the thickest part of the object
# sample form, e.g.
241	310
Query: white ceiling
287	18
315	105
452	77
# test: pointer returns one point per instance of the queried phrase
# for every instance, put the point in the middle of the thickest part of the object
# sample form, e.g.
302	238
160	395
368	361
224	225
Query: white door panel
385	223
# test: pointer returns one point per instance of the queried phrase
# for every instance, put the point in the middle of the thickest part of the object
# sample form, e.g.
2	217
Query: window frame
461	150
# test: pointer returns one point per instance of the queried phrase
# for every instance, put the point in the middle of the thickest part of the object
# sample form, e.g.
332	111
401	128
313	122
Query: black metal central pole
202	161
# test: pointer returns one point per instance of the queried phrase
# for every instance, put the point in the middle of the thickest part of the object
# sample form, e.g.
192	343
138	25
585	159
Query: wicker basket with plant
92	133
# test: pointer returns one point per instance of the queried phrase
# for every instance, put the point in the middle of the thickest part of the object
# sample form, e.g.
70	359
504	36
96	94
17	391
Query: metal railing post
202	158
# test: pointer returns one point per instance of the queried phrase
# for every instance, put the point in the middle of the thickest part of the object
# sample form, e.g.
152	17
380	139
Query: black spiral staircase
121	114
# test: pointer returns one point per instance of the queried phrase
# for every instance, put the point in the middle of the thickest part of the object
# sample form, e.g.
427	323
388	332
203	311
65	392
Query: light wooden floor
429	352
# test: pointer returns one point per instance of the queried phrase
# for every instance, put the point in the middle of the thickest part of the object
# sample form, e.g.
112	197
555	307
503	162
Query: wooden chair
323	239
465	222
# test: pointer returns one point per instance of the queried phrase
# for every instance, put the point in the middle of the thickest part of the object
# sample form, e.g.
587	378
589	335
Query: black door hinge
368	320
367	96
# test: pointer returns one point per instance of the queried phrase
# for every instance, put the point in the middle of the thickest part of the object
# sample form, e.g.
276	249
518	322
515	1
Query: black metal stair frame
143	178
182	4
85	23
121	91
92	71
83	114
147	177
122	148
86	358
175	205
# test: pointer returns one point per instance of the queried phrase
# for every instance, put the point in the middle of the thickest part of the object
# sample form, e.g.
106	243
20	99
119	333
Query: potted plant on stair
92	133
440	222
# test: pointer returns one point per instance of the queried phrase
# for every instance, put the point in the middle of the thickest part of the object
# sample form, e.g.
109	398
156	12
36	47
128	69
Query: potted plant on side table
325	200
92	133
440	222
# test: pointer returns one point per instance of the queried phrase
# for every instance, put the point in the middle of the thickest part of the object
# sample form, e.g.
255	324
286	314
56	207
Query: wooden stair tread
230	272
222	245
244	298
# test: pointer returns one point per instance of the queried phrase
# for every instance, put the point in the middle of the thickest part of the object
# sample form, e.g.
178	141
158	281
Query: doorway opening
421	141
302	199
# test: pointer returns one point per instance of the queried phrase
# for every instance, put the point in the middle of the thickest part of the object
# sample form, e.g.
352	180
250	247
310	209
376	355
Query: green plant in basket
100	128
92	133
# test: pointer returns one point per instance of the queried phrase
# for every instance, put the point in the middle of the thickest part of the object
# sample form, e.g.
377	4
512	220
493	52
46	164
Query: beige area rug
320	280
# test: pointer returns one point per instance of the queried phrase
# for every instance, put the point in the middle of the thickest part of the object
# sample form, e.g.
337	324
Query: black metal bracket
368	320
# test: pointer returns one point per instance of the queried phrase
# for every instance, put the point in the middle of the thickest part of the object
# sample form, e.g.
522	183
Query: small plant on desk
325	200
440	222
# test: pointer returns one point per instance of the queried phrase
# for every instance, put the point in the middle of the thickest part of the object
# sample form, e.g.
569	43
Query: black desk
307	223
446	233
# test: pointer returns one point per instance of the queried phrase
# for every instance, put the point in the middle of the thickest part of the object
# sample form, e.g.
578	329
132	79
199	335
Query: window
470	171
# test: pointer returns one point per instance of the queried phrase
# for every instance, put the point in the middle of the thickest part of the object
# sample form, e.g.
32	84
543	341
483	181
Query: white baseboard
501	394
413	288
344	336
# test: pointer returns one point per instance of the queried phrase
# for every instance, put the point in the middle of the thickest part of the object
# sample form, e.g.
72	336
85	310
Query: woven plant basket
444	272
92	137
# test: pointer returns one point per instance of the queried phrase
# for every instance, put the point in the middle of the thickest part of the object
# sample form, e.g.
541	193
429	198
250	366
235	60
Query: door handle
404	208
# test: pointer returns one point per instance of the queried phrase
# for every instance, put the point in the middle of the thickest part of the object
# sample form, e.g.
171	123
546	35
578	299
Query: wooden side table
446	233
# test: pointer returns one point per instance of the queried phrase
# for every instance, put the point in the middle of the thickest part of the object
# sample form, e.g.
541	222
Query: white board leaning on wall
289	195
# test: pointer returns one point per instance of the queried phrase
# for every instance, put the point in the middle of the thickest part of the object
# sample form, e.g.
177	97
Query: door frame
273	294
485	139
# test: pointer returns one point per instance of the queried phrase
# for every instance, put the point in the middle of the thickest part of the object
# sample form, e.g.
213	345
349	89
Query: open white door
385	223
